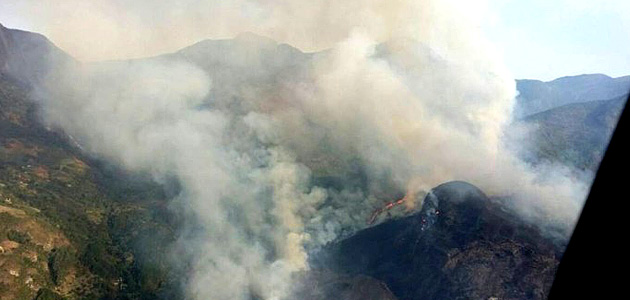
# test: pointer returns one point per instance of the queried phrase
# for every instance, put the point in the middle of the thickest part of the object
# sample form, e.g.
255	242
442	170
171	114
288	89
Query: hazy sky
544	39
539	39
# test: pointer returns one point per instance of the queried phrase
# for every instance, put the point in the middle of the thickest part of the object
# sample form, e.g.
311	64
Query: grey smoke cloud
251	132
117	29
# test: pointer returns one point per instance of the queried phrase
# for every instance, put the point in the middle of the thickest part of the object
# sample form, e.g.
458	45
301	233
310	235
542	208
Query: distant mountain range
537	96
571	119
575	134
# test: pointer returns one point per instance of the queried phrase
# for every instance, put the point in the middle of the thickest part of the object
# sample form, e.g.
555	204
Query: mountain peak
536	96
596	76
245	40
27	56
250	37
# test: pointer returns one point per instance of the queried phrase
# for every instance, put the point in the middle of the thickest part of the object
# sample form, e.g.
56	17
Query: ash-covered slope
462	245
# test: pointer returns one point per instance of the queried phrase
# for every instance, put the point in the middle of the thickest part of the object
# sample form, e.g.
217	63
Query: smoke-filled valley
270	157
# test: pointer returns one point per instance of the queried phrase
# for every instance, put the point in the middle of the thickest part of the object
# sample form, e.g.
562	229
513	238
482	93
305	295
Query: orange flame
387	206
413	187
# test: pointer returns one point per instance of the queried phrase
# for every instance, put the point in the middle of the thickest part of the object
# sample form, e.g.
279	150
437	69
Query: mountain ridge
536	96
28	57
574	134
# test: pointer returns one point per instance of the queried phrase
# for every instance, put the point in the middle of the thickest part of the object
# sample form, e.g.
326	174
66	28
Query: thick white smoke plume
117	29
277	151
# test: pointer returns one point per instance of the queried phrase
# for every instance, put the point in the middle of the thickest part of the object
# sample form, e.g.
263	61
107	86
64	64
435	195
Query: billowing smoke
117	29
279	152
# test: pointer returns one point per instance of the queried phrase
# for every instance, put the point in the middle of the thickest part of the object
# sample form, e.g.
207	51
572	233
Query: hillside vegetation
70	226
575	134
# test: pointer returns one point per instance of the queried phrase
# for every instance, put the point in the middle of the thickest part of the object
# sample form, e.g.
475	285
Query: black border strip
595	264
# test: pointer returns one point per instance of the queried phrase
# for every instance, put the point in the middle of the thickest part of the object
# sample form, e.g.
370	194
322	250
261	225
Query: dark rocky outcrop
327	285
462	245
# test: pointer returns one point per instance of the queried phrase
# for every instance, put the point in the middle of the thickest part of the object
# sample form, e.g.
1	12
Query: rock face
460	246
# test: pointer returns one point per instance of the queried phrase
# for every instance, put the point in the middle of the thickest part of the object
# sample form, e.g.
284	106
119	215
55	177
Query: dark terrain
462	245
